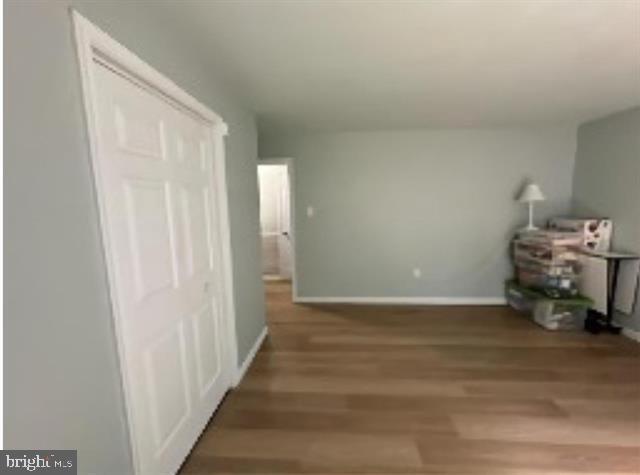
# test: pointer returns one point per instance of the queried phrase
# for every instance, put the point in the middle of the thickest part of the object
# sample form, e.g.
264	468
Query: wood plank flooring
433	390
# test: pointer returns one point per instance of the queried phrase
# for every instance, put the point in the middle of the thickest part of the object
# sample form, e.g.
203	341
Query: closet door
155	168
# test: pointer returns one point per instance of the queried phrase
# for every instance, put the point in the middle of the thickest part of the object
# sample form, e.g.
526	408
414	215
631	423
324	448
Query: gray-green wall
62	388
607	180
440	200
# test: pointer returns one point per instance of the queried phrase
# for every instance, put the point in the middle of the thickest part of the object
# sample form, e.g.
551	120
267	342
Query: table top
610	254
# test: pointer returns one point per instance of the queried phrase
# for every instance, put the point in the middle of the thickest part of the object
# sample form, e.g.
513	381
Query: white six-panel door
155	162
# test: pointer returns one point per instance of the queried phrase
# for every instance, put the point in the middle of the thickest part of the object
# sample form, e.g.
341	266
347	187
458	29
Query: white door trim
288	162
92	43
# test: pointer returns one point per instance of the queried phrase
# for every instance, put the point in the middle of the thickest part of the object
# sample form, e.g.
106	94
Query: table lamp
530	194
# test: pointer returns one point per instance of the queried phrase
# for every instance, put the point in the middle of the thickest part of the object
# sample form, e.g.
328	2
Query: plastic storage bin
553	285
552	314
518	300
547	261
557	316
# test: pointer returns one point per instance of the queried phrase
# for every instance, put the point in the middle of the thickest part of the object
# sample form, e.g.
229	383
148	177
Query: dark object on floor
596	323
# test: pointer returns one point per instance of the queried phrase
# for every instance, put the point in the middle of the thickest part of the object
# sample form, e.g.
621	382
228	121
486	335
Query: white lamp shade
531	193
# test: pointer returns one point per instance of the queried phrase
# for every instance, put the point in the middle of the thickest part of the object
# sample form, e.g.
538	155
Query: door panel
208	363
169	399
191	151
150	235
139	135
157	190
196	212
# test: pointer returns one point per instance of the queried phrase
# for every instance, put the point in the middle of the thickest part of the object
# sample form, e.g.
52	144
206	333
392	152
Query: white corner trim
250	356
404	300
631	334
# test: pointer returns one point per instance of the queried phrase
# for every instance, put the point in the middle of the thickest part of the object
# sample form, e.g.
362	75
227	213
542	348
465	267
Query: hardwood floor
437	390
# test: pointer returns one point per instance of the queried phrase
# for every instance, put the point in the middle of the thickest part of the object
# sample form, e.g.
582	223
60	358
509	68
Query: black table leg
613	266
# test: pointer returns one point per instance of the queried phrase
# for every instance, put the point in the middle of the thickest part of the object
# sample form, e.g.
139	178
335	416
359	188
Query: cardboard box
596	232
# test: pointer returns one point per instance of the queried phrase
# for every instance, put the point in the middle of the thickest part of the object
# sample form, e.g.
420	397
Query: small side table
594	323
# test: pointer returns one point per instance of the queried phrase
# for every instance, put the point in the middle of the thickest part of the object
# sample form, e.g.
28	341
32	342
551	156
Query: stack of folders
548	261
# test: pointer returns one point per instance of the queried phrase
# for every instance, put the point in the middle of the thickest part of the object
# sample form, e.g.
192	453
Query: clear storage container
555	316
550	313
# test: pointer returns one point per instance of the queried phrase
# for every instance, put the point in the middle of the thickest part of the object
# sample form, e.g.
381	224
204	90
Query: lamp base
530	227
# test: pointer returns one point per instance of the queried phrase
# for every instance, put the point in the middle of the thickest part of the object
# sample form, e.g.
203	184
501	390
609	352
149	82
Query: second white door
275	222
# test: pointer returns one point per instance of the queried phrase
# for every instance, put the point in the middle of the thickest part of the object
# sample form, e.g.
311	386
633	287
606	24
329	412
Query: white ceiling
366	64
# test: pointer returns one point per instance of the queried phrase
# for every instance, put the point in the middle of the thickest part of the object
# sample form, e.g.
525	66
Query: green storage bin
552	314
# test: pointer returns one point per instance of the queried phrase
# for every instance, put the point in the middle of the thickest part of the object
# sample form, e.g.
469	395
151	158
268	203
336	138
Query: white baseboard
405	300
631	334
250	356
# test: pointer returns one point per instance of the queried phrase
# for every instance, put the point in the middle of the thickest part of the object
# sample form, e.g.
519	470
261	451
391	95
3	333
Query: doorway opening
276	221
